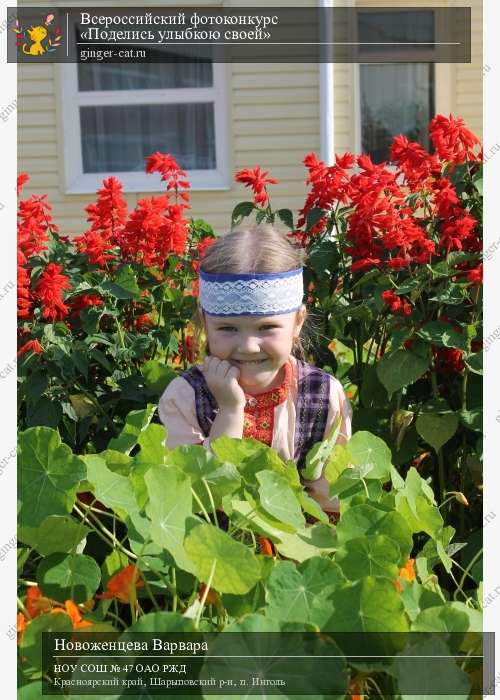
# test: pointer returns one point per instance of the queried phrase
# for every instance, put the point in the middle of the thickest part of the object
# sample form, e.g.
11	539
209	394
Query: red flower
48	292
167	166
154	230
24	300
83	301
414	161
396	303
448	360
200	251
107	218
452	140
22	179
475	276
256	179
31	345
34	222
364	264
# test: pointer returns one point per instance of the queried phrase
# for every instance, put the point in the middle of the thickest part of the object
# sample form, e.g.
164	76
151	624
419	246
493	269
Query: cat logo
38	39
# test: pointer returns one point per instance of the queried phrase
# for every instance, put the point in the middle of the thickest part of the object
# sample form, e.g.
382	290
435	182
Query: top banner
243	35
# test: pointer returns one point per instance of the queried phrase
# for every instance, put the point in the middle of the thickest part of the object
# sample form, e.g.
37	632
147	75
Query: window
395	98
115	114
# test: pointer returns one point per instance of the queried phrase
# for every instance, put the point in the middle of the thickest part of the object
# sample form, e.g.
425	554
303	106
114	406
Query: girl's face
258	345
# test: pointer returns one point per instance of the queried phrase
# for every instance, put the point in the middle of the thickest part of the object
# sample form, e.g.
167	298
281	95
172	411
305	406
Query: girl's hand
222	380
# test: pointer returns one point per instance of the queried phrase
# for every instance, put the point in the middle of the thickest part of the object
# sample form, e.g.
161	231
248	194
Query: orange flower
21	626
266	547
73	611
36	603
212	596
407	572
123	584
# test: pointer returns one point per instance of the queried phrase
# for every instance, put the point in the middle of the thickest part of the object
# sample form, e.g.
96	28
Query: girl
251	384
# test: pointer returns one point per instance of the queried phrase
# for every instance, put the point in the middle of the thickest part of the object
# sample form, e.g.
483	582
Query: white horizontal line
275	656
278	43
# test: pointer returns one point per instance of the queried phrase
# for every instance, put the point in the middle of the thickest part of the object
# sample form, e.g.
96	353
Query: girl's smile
258	345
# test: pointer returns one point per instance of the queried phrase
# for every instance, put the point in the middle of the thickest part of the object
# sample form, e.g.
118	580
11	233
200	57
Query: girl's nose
248	344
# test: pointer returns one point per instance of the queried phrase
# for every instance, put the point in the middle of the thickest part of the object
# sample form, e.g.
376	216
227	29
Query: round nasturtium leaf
68	576
48	476
300	594
370	453
371	604
57	533
364	520
373	555
163	622
236	568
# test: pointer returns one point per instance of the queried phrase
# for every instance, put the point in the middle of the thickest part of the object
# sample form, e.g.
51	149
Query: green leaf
31	645
48	477
475	363
169	506
235	568
278	499
207	473
413	674
338	463
368	605
416	598
157	375
364	520
313	217
373	555
44	412
399	369
162	622
442	618
112	489
318	456
306	543
371	454
151	441
286	217
124	286
473	420
57	533
439	333
300	593
240	211
437	429
135	423
68	576
416	503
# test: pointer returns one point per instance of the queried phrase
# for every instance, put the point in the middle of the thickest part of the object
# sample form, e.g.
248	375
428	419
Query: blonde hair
259	248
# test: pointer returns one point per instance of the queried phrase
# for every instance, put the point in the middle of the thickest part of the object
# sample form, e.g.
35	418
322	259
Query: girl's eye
227	328
269	327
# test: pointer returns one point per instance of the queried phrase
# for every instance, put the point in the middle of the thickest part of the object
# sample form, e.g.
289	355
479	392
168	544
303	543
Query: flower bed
393	275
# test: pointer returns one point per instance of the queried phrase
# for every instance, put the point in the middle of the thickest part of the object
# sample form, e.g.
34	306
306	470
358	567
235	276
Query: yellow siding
273	113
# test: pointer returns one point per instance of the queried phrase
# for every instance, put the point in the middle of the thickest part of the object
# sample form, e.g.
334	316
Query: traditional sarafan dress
289	418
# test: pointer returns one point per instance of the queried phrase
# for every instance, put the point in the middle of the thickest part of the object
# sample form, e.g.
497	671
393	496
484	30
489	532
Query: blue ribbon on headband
251	294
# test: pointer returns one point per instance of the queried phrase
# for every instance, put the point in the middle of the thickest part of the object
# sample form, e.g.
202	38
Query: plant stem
205	593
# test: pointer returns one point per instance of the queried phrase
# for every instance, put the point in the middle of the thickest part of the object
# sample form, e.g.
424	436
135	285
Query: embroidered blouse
270	417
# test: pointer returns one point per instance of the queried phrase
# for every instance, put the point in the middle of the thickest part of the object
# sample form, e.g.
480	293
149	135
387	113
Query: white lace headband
250	294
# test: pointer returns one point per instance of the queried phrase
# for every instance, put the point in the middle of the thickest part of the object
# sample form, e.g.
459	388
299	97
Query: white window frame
442	97
71	99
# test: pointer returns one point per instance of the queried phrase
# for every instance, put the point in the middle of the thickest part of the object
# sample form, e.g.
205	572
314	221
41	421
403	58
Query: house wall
273	115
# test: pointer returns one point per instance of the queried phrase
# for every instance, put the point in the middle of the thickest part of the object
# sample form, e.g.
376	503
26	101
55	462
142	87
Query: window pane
144	76
393	26
395	99
117	138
